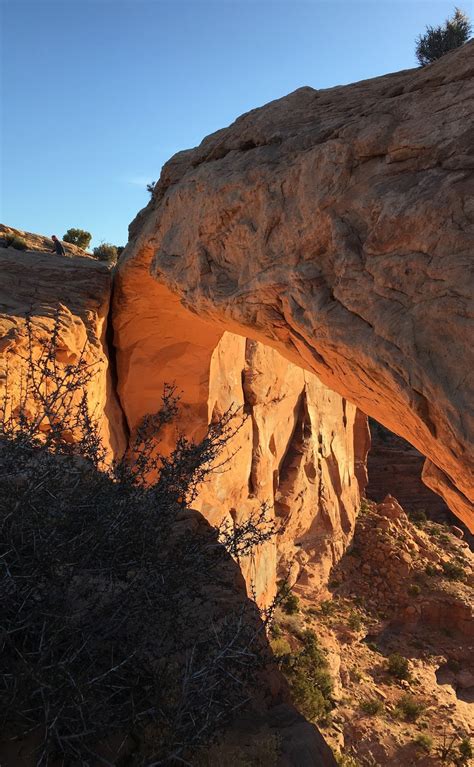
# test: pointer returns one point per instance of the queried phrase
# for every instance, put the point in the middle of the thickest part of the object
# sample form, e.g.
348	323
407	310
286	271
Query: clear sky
98	94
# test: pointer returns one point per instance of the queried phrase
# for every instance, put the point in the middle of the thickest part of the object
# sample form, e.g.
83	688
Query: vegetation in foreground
122	634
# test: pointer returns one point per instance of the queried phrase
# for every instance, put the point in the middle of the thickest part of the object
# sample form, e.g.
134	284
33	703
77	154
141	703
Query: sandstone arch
337	227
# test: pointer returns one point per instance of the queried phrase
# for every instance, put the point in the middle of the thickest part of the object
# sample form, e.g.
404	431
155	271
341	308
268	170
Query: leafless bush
120	615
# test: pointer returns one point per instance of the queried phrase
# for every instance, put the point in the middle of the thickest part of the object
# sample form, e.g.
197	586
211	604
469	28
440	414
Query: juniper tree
441	39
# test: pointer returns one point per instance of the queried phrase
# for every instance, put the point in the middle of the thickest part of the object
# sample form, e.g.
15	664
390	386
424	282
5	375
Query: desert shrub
280	646
308	674
16	242
78	237
109	625
291	604
292	624
355	621
431	570
106	252
408	708
424	742
455	749
414	590
372	707
372	646
441	39
418	517
398	666
150	188
453	571
328	607
465	751
275	630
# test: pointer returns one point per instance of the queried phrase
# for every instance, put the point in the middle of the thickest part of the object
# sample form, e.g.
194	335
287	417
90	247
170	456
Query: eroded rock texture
298	449
78	290
337	226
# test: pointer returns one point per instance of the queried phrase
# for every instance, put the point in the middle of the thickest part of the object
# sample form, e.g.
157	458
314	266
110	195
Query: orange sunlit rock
336	225
41	284
295	448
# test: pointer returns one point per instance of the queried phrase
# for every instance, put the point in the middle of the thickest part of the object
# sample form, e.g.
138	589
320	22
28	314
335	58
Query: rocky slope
337	225
38	242
398	630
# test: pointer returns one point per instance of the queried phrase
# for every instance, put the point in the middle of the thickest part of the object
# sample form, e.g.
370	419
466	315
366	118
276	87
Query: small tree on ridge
78	237
441	39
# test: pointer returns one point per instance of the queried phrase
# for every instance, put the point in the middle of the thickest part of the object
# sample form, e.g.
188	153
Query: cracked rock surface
337	226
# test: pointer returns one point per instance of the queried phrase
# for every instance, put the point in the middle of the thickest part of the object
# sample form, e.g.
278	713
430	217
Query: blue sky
98	94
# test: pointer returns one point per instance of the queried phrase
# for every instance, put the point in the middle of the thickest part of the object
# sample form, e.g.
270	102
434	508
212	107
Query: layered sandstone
336	225
75	294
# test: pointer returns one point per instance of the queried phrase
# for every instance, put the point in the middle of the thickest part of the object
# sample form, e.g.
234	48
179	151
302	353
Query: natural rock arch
337	227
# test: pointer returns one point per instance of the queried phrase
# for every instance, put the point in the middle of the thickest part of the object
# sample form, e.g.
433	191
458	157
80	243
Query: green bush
373	646
431	570
78	237
453	571
16	242
414	590
106	252
355	621
372	707
408	708
275	630
398	666
418	517
441	39
465	751
454	751
291	604
424	742
280	647
309	678
327	607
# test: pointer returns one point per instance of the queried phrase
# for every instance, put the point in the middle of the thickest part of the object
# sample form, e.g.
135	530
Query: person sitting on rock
58	246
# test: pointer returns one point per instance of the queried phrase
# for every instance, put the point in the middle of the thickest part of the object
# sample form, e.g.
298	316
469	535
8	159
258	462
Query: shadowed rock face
337	226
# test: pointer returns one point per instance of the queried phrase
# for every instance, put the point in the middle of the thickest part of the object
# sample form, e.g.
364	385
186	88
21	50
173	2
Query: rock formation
401	588
40	284
297	450
301	449
38	242
336	226
394	466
